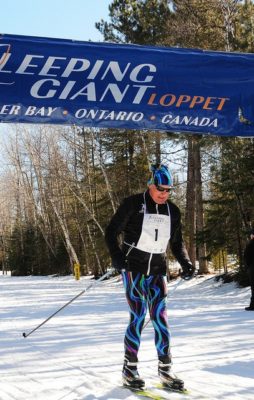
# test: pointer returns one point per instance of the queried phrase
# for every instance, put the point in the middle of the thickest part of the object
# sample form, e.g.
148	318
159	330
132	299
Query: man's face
159	193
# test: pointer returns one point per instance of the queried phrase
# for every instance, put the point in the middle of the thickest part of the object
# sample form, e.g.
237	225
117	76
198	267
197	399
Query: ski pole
173	291
25	335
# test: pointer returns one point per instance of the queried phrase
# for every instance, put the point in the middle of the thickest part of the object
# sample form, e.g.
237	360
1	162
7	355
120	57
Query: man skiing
148	222
249	263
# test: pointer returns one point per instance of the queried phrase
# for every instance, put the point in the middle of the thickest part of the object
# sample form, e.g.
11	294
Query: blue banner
107	85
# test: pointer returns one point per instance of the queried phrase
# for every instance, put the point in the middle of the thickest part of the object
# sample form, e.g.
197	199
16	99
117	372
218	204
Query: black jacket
249	255
128	220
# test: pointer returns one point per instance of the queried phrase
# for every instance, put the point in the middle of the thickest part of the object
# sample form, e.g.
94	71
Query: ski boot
168	379
130	374
250	308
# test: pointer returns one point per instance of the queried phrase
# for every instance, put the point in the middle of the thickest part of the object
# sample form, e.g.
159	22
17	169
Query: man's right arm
114	229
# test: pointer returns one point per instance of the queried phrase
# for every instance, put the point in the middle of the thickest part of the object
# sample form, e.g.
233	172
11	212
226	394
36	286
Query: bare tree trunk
229	9
104	172
87	264
203	265
82	201
69	246
35	184
190	216
93	268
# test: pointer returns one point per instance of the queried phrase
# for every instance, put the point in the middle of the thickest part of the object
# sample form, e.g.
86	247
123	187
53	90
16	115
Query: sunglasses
162	189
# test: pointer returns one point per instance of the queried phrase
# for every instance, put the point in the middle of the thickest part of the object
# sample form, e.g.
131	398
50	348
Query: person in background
249	264
148	222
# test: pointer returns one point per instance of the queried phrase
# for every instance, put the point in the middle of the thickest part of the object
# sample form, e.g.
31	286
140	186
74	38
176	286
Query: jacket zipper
149	264
151	255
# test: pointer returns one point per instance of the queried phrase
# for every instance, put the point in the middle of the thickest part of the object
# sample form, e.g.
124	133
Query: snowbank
78	354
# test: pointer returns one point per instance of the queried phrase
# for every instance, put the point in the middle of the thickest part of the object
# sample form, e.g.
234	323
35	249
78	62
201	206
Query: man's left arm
178	248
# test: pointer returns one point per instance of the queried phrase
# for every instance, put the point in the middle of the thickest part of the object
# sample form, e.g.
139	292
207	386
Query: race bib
155	233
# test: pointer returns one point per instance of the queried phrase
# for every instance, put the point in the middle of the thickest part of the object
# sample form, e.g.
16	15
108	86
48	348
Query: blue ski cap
160	175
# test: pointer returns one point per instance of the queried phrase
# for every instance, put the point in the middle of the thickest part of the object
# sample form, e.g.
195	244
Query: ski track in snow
78	354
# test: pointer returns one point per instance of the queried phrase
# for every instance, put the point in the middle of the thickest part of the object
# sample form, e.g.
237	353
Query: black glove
119	262
188	272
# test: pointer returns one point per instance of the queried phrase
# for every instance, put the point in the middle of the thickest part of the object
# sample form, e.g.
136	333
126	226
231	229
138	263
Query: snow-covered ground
78	354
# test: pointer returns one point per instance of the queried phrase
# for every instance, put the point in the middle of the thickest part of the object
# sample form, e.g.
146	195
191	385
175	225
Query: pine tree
136	21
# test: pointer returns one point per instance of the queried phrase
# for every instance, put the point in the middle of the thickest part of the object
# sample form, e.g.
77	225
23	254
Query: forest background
61	185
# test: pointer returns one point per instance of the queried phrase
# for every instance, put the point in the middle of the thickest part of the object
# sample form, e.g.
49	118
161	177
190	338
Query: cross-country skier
148	222
249	263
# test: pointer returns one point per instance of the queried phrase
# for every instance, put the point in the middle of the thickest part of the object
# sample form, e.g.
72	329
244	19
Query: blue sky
64	19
